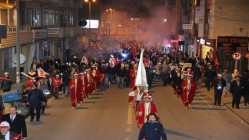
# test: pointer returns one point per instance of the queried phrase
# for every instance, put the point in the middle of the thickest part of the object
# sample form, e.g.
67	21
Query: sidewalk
242	113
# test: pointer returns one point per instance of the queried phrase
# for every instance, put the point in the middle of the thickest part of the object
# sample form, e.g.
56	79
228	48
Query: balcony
64	32
39	34
26	37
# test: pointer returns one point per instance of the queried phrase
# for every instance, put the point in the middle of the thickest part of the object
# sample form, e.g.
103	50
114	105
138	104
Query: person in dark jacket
177	81
219	85
122	75
6	82
236	90
210	76
152	129
17	122
65	80
35	98
245	91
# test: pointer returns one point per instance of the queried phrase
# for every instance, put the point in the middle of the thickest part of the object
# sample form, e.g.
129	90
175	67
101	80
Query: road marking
129	120
129	115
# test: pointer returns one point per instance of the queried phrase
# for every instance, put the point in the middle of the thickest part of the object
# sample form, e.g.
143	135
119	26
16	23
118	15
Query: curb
243	121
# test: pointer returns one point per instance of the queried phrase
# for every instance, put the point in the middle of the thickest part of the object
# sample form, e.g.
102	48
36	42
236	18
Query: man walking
152	129
35	98
236	90
219	85
17	122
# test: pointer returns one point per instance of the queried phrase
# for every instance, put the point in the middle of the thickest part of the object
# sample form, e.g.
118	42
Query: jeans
110	78
66	90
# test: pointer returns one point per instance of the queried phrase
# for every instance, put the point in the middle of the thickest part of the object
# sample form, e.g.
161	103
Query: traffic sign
247	55
236	56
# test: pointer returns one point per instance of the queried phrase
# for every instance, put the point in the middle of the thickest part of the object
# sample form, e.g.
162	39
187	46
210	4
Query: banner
141	78
41	72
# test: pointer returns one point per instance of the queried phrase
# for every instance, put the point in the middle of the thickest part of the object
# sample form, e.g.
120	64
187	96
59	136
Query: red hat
4	124
147	95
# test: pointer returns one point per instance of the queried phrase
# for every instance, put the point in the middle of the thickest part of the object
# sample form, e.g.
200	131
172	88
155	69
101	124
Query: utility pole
17	41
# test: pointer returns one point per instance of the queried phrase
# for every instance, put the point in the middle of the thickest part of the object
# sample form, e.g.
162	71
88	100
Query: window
33	17
3	16
7	57
51	18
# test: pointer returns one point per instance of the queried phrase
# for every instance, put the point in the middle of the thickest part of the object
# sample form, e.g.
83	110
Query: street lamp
111	22
89	14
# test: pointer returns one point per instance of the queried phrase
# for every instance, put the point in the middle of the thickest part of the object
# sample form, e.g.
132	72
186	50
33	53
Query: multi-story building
220	20
48	28
7	46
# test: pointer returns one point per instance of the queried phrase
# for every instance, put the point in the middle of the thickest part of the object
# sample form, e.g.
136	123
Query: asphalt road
106	115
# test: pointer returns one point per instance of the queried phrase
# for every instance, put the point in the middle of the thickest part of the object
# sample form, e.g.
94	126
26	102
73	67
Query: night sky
138	8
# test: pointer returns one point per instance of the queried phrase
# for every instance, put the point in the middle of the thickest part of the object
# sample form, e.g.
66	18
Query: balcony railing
39	34
22	28
64	32
25	36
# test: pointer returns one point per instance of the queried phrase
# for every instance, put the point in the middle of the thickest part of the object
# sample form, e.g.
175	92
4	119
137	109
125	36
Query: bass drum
22	109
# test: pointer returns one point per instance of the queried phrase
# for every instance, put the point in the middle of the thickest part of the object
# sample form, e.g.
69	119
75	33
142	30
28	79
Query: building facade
48	28
218	19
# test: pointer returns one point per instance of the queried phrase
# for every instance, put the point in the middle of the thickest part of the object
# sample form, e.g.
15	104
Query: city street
106	115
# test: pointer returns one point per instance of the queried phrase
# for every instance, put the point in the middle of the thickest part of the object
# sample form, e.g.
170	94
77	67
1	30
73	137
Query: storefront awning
6	6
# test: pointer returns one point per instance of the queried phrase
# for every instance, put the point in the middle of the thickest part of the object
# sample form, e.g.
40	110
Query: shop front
206	48
226	46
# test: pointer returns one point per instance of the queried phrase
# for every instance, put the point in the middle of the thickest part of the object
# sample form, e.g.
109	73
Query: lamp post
111	21
89	16
17	42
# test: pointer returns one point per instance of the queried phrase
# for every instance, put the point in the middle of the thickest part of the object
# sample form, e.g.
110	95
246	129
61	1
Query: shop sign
187	26
231	44
236	56
210	42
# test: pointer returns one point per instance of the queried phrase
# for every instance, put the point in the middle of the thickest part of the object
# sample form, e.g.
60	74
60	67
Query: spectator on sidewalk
236	90
6	82
219	85
245	91
228	78
17	122
152	129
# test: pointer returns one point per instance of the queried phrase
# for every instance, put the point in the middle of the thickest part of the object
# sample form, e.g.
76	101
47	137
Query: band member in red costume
144	108
97	76
136	96
89	86
56	82
188	90
76	88
133	74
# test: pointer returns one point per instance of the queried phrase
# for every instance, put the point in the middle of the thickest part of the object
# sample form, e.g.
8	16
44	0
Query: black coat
6	84
222	83
152	131
235	89
18	125
35	97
